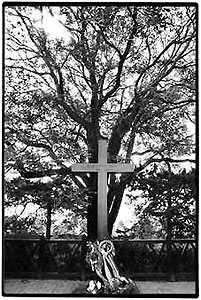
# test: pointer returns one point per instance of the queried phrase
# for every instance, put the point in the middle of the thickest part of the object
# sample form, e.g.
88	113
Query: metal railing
138	259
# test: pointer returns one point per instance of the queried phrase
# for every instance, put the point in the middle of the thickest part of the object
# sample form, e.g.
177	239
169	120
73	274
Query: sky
53	25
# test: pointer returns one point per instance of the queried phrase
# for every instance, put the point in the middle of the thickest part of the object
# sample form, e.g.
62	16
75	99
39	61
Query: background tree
51	196
169	200
124	71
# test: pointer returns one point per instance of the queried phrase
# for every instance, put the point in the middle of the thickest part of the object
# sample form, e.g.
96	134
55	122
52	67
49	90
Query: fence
138	259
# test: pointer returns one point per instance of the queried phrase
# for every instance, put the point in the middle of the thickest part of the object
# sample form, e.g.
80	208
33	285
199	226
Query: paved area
53	286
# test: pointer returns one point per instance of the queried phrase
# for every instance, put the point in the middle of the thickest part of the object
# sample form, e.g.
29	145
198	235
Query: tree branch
159	160
109	43
61	101
52	172
121	62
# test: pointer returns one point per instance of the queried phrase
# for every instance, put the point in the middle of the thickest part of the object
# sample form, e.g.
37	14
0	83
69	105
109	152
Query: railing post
171	261
83	257
42	256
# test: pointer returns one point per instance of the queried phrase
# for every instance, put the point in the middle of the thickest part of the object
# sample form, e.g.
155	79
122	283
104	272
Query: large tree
127	72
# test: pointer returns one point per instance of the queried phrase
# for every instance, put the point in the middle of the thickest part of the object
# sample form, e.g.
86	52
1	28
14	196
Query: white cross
102	167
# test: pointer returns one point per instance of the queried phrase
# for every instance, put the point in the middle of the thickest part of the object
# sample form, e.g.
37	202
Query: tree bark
116	203
49	219
92	214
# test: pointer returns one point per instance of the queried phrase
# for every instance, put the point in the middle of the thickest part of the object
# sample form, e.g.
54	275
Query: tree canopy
125	72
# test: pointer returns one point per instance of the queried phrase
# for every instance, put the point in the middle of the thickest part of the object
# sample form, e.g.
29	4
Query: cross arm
119	168
95	167
85	167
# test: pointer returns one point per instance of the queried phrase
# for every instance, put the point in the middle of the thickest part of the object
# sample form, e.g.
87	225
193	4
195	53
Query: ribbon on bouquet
107	250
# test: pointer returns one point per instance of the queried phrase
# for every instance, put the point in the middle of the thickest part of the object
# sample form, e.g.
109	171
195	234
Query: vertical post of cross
102	191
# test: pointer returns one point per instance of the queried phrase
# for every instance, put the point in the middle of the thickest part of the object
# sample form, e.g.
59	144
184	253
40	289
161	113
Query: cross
102	168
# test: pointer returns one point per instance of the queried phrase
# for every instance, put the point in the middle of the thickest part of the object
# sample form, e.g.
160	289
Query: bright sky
53	26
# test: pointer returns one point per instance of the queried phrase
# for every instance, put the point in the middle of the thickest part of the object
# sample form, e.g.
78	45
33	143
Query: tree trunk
115	195
49	219
92	226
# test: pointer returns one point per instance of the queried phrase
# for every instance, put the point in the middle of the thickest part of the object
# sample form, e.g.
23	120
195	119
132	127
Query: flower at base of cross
94	287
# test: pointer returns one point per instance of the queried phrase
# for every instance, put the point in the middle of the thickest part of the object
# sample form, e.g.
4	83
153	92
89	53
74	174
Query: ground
51	286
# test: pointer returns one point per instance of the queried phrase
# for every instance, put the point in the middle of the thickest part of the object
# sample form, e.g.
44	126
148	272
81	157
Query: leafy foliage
169	199
59	194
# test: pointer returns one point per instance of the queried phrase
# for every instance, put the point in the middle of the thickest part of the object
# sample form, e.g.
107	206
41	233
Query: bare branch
29	70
